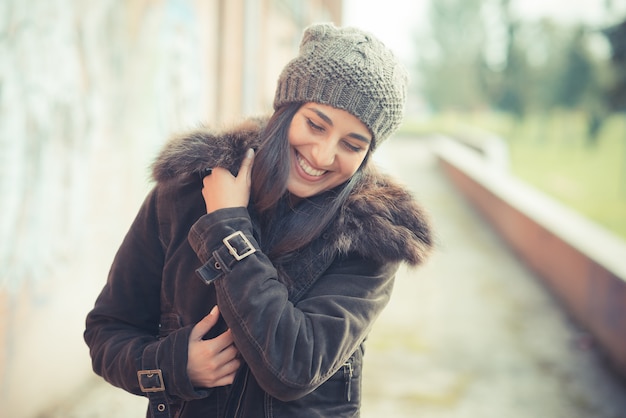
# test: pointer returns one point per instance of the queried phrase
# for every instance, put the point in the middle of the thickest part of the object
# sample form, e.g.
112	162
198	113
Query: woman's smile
328	145
306	167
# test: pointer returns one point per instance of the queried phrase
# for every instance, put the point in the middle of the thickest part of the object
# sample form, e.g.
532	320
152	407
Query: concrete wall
89	91
581	263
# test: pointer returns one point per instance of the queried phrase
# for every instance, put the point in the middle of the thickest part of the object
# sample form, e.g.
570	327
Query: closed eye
314	126
351	147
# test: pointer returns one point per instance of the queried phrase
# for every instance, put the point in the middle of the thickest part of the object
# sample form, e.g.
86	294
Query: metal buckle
149	376
249	249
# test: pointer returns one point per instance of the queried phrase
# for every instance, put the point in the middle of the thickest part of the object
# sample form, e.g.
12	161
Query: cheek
351	166
358	162
295	135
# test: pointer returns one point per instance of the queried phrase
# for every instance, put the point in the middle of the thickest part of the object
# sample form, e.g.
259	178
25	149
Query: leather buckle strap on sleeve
151	380
152	384
239	246
236	247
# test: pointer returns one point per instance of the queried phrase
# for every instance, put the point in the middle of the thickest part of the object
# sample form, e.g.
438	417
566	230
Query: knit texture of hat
348	69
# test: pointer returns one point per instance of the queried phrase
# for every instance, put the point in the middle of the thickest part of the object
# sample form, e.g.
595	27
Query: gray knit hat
349	69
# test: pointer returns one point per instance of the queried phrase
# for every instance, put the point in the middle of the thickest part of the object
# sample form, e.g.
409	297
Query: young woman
257	265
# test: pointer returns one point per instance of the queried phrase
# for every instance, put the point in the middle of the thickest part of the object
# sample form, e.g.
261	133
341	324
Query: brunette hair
285	228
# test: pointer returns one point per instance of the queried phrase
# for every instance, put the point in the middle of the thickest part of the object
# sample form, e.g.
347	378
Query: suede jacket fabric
301	340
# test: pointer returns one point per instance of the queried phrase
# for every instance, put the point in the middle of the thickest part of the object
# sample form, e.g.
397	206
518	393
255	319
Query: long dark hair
286	228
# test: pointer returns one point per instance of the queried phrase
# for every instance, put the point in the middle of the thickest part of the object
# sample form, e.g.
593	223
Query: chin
303	192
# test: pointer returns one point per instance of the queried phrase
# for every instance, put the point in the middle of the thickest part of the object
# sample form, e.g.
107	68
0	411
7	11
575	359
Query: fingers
226	375
245	171
226	380
245	168
221	343
223	190
213	362
222	360
205	324
220	369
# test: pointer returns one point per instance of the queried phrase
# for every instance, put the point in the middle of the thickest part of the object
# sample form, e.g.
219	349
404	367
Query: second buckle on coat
233	243
151	380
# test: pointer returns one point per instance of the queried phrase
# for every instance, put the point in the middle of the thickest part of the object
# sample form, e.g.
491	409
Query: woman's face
327	146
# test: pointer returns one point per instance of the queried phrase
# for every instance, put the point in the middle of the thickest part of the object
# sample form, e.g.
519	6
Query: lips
304	165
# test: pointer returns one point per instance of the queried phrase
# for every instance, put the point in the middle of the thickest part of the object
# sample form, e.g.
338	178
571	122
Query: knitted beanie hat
348	69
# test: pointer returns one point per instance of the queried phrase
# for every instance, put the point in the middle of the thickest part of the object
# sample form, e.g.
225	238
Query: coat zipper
347	374
235	397
243	389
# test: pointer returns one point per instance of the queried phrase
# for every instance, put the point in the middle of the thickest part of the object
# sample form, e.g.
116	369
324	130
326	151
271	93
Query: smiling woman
328	146
258	263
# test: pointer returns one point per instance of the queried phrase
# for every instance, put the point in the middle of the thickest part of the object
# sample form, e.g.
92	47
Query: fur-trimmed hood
380	220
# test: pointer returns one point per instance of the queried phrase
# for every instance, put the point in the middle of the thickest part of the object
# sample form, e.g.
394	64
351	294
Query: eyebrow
329	121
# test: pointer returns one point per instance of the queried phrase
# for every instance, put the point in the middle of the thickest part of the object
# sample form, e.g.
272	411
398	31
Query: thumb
205	324
245	171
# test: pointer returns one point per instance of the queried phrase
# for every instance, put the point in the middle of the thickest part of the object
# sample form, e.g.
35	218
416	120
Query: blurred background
90	91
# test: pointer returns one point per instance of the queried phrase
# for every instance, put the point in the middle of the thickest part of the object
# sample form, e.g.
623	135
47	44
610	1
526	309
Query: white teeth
307	168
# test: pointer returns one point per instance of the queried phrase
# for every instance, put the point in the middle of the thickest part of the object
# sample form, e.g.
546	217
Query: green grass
552	153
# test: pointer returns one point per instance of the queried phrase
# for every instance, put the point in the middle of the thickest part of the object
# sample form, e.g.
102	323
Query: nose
323	153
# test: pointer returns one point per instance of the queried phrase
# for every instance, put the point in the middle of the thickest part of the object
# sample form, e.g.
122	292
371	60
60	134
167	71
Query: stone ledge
580	262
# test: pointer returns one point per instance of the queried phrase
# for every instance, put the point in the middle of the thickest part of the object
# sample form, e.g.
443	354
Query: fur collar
380	220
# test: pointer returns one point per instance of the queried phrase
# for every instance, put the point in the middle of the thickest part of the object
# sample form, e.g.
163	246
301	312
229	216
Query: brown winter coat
301	342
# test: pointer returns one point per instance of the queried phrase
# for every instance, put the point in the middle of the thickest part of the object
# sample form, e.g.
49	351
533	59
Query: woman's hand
214	362
223	190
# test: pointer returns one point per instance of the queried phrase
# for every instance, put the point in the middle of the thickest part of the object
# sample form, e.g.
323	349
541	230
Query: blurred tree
481	54
607	96
576	76
509	87
548	46
617	93
450	61
616	96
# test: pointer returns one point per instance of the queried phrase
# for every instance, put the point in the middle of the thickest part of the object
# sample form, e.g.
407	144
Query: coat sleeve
291	350
124	322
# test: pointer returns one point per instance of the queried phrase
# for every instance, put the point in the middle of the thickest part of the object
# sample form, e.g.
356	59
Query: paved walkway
472	334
